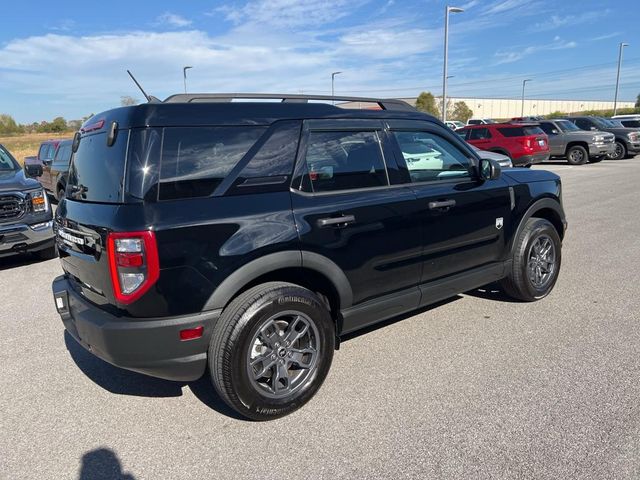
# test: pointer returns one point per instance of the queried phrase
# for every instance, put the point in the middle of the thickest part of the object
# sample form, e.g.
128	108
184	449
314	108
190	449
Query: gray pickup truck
25	212
578	146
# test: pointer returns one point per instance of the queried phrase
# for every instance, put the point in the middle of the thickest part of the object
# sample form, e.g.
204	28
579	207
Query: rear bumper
601	149
150	345
531	159
22	237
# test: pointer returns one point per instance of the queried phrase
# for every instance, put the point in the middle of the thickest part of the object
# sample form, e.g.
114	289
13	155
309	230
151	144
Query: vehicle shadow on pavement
125	382
19	260
491	292
102	464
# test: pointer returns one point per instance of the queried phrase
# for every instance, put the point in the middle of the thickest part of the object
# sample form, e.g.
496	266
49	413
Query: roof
218	109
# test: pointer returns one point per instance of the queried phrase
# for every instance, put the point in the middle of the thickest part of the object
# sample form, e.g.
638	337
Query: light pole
184	74
333	82
447	11
524	82
615	99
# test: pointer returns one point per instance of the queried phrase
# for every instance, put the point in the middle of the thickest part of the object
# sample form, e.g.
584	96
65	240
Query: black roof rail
383	103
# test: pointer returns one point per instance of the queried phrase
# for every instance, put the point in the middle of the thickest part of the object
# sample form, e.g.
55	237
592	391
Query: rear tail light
133	264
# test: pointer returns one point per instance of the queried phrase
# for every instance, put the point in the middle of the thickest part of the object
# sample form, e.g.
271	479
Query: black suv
249	236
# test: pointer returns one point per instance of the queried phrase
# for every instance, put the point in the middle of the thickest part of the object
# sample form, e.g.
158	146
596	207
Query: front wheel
537	254
271	350
577	155
620	151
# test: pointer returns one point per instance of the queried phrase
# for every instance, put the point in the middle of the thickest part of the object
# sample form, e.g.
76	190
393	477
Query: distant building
503	108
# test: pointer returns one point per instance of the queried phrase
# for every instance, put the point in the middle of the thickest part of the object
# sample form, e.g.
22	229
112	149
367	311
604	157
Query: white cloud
290	13
553	22
519	52
173	20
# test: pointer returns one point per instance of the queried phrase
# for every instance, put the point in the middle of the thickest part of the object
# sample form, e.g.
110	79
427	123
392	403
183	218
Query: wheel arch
547	208
307	269
577	143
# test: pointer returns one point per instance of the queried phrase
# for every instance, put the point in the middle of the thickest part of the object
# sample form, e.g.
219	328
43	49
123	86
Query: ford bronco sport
247	237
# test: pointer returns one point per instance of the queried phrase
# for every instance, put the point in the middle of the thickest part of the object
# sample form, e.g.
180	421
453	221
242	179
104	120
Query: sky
70	58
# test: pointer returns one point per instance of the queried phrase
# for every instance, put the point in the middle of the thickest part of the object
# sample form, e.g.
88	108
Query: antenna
149	98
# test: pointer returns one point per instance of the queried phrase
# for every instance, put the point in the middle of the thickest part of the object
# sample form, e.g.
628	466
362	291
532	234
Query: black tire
518	283
577	155
47	253
239	333
596	159
60	195
620	151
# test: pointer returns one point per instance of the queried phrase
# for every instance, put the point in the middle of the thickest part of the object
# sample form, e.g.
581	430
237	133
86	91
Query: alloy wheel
541	265
283	354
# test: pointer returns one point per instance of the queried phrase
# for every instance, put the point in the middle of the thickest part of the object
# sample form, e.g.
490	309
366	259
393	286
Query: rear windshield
520	131
97	170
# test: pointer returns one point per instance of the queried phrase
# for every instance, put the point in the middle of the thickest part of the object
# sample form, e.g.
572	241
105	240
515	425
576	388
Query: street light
615	99
524	82
447	11
333	82
184	74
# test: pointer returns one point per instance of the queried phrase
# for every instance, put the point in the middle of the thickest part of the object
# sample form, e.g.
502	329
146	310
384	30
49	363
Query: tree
8	124
426	102
58	125
460	112
126	101
638	101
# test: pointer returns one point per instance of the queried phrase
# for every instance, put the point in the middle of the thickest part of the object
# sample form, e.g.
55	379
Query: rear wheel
620	151
271	350
577	155
536	261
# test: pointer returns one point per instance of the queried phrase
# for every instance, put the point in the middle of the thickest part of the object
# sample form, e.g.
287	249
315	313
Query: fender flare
548	203
276	261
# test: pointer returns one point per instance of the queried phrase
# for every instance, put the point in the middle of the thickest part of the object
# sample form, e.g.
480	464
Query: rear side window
520	131
344	161
631	123
195	160
46	151
63	154
479	134
97	171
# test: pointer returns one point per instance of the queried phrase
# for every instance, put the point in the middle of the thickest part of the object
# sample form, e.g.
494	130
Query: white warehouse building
512	107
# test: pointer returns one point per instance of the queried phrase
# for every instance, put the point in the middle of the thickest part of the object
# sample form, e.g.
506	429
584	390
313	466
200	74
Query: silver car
503	160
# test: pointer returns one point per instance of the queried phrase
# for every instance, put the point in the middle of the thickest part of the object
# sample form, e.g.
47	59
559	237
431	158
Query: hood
527	175
16	180
619	130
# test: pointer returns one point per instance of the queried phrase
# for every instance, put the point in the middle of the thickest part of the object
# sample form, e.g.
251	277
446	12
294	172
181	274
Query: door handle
444	204
341	221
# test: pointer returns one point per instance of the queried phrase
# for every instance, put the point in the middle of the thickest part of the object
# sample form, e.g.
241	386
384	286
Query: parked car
46	152
54	171
503	160
25	213
480	121
629	121
525	144
454	124
534	118
249	236
568	141
627	140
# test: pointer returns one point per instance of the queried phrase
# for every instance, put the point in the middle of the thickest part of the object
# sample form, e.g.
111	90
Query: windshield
7	163
603	123
616	123
567	126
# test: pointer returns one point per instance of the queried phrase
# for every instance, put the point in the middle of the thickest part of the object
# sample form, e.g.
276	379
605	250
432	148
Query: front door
463	218
350	209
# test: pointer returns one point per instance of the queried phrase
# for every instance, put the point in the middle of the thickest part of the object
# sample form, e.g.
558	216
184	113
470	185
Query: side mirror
489	169
33	170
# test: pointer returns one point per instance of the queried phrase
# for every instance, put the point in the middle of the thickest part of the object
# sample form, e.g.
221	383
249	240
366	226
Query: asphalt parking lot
476	387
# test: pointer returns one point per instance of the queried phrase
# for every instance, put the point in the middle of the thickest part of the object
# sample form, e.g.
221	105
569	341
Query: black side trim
276	261
543	203
383	308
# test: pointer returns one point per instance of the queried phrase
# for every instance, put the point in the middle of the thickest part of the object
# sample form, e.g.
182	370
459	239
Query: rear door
463	218
45	155
480	137
350	209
